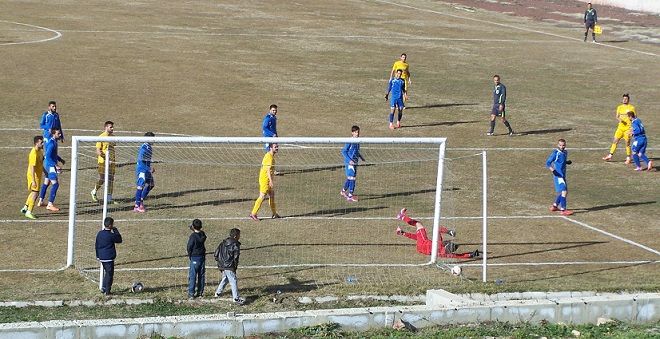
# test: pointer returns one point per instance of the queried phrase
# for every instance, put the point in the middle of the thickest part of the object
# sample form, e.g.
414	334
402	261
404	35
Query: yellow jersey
622	113
105	147
36	160
267	166
402	66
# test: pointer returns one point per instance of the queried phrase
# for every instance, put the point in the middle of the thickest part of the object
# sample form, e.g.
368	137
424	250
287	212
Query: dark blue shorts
496	111
589	24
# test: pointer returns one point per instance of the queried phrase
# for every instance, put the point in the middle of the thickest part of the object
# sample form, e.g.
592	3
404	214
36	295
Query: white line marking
612	235
638	262
510	26
91	130
57	34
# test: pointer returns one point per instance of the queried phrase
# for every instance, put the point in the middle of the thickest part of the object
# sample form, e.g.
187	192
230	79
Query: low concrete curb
441	307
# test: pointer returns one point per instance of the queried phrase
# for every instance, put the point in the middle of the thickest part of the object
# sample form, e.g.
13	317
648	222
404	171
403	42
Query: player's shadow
443	123
625	204
573	274
545	131
566	245
337	211
316	169
452	104
395	194
334	244
197	204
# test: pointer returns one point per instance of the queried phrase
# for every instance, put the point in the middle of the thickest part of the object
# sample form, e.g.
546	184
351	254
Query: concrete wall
651	6
441	308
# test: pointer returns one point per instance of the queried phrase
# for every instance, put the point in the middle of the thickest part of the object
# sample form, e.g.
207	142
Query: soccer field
204	68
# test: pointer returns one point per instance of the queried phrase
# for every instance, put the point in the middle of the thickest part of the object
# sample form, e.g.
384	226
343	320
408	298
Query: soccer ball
456	270
137	287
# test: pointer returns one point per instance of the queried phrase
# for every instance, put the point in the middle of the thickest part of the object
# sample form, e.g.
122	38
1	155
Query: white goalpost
215	179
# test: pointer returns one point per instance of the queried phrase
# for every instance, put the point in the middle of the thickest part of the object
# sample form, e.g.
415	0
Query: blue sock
558	199
351	186
42	192
645	159
145	191
346	185
53	192
562	203
391	118
138	196
636	160
400	115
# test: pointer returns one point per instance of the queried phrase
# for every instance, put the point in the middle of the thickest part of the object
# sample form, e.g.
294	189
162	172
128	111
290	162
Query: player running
639	145
51	159
397	87
351	153
50	119
103	148
446	249
144	174
266	183
34	174
499	106
556	163
622	128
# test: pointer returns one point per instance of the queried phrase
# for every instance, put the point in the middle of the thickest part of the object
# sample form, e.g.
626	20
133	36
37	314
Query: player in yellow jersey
35	172
405	73
266	183
103	148
622	128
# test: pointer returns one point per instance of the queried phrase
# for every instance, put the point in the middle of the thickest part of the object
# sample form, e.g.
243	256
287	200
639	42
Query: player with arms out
556	163
622	128
446	249
144	174
402	65
50	119
51	159
639	145
34	173
103	148
351	153
396	87
266	183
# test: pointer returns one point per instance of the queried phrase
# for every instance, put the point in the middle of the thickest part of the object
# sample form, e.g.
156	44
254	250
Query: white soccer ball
456	270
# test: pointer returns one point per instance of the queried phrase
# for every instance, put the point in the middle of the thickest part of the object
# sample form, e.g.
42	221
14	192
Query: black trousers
108	275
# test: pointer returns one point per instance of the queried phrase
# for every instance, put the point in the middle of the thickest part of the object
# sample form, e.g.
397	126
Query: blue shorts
560	184
589	24
397	102
639	145
496	111
351	170
51	172
145	178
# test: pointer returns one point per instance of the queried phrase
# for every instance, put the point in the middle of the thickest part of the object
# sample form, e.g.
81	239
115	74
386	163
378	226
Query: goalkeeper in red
446	249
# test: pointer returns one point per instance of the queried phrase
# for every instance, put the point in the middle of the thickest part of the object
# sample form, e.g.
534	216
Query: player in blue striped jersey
639	145
144	174
556	163
351	153
499	106
397	88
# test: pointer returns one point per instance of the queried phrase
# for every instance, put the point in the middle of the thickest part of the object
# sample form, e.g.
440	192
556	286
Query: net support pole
484	199
106	184
438	198
72	202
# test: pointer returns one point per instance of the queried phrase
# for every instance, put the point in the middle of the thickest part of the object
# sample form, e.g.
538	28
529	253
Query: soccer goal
216	180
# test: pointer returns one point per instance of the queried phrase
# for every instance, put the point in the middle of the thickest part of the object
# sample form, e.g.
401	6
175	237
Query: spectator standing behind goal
639	145
446	249
197	255
556	163
50	120
266	187
396	87
144	174
106	252
622	128
351	154
51	169
499	106
227	255
103	148
590	21
35	170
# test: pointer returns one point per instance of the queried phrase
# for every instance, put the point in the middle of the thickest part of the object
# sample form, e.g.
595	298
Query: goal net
321	239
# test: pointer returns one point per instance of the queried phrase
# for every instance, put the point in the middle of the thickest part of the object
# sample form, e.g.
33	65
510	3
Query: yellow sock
271	203
29	198
628	150
257	204
30	203
612	148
